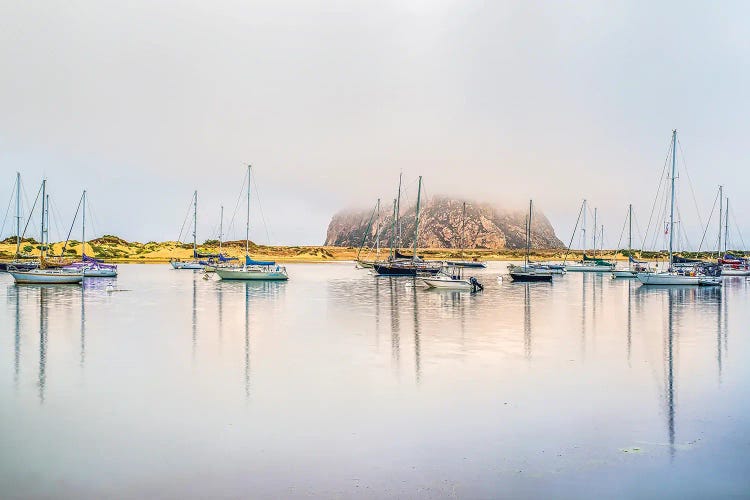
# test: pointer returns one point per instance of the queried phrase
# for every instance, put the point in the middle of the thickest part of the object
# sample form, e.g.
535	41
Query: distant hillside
440	226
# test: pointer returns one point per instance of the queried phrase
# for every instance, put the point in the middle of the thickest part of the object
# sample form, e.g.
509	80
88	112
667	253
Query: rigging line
638	229
32	212
55	218
179	238
575	229
708	222
237	205
65	246
731	211
26	198
690	182
10	203
622	232
262	215
658	190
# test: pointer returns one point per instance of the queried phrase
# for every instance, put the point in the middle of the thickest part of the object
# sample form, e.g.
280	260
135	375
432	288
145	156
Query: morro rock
443	225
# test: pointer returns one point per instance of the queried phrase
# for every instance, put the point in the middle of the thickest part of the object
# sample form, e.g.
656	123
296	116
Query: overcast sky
143	102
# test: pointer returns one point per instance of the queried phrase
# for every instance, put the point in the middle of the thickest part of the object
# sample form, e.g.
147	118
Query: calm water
339	384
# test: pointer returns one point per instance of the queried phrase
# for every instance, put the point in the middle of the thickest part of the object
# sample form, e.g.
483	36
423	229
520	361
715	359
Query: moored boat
451	278
692	275
46	276
527	273
253	270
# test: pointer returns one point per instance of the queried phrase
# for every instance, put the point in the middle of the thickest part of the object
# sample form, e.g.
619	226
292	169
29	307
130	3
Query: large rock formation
442	225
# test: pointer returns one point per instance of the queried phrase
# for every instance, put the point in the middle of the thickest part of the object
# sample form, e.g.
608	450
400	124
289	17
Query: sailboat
526	273
634	266
672	276
19	262
219	259
363	263
254	270
43	275
731	265
403	265
193	264
91	267
465	263
588	264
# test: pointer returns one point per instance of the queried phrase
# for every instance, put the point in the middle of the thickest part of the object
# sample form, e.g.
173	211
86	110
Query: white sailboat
91	267
252	270
42	275
671	276
588	264
632	270
731	265
194	264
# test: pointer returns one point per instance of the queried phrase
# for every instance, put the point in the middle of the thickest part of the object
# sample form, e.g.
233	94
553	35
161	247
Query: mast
18	213
83	227
247	216
416	220
630	236
221	227
671	209
377	233
721	217
44	190
594	231
393	232
583	228
195	223
726	229
528	234
463	229
398	211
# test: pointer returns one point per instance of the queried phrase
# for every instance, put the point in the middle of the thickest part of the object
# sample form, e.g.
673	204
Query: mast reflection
82	357
42	342
17	338
417	348
247	340
195	316
395	333
670	370
527	320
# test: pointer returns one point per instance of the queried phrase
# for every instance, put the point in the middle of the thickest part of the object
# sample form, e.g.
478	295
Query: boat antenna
221	227
393	232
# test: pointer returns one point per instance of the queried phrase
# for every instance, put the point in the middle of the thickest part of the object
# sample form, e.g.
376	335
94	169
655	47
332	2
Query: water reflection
247	340
395	332
417	367
527	320
42	381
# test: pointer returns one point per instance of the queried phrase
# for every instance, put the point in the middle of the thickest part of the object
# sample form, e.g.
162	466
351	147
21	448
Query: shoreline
116	251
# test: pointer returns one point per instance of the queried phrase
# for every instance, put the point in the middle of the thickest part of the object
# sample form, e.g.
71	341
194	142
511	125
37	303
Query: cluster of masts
441	274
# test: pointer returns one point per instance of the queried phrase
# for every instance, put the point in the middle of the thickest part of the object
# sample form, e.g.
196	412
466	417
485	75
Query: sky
142	102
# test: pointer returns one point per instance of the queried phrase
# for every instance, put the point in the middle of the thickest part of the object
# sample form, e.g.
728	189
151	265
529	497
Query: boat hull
589	269
186	265
41	278
624	273
673	279
100	273
19	266
468	263
735	272
530	276
401	270
251	275
447	284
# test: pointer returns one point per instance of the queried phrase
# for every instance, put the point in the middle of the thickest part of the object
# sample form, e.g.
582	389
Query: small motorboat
451	278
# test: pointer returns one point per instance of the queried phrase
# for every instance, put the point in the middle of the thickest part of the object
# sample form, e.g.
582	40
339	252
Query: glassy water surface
339	384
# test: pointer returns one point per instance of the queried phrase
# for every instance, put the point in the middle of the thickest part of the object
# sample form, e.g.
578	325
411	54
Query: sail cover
86	258
224	258
251	262
400	255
